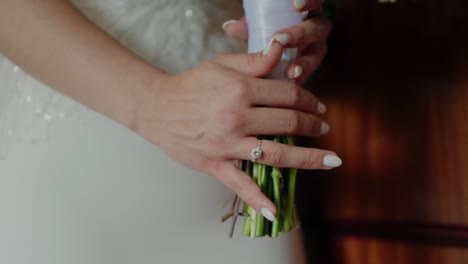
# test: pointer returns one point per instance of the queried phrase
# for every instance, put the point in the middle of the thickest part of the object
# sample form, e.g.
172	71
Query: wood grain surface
396	85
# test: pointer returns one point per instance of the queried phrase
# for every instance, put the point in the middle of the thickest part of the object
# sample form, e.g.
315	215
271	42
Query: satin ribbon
264	17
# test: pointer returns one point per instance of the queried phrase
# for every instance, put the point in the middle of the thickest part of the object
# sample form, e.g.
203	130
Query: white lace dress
77	188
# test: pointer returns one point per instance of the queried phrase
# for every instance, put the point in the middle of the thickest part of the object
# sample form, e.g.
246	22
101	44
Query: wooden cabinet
396	86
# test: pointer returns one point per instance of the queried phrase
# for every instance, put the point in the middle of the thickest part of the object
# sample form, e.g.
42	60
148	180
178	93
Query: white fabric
264	18
75	187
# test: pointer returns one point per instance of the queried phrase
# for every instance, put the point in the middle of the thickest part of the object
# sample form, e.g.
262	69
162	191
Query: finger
284	94
285	156
310	31
257	64
307	5
236	29
301	68
247	189
271	121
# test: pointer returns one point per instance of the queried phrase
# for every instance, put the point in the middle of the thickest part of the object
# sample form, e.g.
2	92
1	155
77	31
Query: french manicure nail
299	4
225	24
298	70
321	108
332	161
267	214
283	39
325	128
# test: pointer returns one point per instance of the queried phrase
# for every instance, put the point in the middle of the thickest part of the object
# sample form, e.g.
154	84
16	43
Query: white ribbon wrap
264	17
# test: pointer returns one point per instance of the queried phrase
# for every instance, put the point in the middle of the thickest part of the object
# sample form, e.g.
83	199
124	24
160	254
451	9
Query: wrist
143	85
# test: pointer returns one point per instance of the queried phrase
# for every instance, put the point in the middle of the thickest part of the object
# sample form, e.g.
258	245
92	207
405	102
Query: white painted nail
268	47
225	24
298	70
299	4
332	161
283	39
321	108
267	214
325	128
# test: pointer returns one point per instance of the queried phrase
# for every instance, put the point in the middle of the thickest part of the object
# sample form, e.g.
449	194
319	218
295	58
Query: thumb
247	189
256	64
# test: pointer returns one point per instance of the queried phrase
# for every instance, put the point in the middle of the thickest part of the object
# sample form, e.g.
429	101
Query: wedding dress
77	188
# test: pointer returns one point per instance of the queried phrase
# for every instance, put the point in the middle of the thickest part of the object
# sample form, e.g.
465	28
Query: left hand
310	37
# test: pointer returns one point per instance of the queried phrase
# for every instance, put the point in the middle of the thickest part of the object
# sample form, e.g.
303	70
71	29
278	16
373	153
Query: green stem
276	176
262	183
289	214
252	213
270	180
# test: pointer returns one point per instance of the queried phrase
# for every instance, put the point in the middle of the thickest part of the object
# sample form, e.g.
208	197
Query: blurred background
396	85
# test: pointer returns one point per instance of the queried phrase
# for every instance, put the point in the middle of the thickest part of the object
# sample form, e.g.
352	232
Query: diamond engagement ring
256	153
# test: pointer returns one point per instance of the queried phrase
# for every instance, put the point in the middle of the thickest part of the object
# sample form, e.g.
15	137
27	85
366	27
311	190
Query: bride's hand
207	118
309	37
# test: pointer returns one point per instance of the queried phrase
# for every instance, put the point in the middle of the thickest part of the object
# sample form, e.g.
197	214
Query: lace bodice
173	34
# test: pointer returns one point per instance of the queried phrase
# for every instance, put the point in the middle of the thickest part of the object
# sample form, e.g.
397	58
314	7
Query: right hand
208	118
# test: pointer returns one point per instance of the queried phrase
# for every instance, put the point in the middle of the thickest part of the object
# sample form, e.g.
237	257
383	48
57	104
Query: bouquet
264	17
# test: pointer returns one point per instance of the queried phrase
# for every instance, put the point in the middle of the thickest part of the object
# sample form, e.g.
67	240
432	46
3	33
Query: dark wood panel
396	85
370	251
409	232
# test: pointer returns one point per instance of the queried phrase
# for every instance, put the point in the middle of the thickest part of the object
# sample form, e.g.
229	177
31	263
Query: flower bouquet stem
264	18
279	185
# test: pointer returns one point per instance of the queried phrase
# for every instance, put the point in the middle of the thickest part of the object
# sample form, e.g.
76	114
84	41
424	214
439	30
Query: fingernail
332	161
225	24
267	214
299	4
321	108
325	128
298	70
283	39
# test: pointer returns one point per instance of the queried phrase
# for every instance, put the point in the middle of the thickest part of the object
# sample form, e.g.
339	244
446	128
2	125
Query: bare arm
59	46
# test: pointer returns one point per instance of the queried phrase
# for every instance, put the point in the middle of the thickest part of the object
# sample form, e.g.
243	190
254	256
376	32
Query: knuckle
215	143
311	160
252	59
317	126
239	90
276	156
231	121
301	32
294	93
249	192
310	26
323	29
293	122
